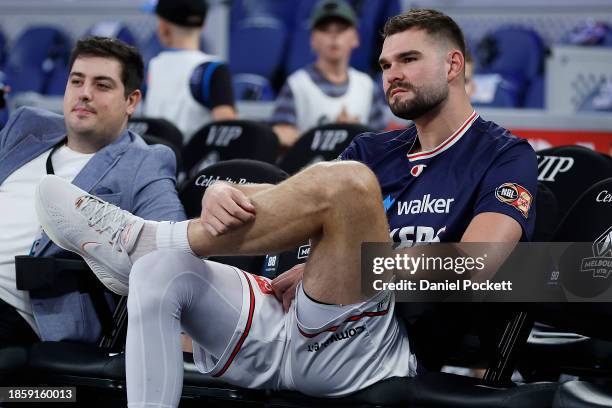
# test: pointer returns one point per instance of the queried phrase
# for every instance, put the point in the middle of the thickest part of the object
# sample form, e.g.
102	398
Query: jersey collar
448	143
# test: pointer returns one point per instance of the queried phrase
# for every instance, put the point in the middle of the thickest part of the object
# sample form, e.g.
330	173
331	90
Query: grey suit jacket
129	173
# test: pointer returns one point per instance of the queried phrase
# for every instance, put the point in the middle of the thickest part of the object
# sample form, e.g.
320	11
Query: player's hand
224	208
344	117
284	285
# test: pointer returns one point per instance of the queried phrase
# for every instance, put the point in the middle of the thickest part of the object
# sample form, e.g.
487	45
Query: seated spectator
91	147
186	86
329	90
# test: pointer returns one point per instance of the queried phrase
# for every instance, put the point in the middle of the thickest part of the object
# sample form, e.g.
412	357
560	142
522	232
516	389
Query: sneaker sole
111	282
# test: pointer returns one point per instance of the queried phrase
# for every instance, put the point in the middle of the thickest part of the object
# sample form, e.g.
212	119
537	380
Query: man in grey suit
91	147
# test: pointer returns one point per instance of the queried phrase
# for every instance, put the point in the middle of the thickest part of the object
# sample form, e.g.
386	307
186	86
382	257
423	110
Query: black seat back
320	144
239	171
152	140
588	221
547	214
570	170
227	140
158	128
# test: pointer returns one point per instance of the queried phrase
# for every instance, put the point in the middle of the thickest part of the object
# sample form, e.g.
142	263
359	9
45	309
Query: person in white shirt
329	90
185	85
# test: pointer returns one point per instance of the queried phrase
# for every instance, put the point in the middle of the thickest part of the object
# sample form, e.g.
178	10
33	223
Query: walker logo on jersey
264	285
409	236
425	205
601	262
327	140
222	135
417	170
344	335
550	166
303	252
515	195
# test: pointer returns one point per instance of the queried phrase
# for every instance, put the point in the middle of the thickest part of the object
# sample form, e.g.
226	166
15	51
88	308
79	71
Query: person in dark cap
328	90
185	85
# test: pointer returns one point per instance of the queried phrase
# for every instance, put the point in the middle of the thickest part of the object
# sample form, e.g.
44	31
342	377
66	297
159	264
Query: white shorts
363	344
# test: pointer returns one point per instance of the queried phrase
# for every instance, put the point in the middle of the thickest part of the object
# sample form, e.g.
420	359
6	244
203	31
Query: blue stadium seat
372	16
251	87
113	29
151	48
38	46
534	98
251	34
245	9
25	79
34	55
56	84
2	49
517	51
506	90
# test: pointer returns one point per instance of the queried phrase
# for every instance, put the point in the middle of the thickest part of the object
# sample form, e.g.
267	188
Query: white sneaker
101	233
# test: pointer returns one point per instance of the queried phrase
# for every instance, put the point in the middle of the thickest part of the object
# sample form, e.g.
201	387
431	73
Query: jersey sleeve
211	84
509	187
284	110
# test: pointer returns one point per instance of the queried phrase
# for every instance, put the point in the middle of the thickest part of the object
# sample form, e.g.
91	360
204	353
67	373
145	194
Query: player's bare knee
352	179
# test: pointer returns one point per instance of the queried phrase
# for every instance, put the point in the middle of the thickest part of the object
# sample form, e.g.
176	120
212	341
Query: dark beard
423	102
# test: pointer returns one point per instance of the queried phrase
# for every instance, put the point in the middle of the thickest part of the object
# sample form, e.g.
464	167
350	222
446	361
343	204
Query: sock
161	235
173	235
146	241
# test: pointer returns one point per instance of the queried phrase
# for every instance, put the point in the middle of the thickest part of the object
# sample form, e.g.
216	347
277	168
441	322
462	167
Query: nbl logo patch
515	195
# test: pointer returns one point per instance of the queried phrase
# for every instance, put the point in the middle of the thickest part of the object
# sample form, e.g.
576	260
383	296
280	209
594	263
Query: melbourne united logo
600	264
417	169
516	196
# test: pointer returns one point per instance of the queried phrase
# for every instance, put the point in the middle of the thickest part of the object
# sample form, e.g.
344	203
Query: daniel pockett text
498	272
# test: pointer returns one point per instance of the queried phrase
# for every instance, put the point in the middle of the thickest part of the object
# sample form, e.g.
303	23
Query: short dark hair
433	22
132	67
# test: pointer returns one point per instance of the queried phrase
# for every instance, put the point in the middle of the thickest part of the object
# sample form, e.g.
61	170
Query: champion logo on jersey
417	170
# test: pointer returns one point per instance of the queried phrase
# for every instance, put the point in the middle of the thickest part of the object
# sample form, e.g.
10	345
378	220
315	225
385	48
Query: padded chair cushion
230	139
157	127
321	143
12	358
581	394
430	389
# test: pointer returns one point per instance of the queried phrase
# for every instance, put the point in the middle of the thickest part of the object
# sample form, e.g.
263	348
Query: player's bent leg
227	313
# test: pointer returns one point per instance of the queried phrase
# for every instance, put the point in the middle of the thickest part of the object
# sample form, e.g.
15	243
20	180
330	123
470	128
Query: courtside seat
429	390
321	143
568	171
588	221
582	394
230	139
157	127
239	171
81	365
13	362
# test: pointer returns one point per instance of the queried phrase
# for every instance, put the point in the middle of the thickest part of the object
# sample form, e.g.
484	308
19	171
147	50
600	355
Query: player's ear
455	63
133	99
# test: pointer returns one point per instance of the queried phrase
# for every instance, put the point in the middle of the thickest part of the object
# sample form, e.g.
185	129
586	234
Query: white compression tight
170	290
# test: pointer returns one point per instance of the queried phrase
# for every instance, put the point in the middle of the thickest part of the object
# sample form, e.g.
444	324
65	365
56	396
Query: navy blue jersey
432	196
